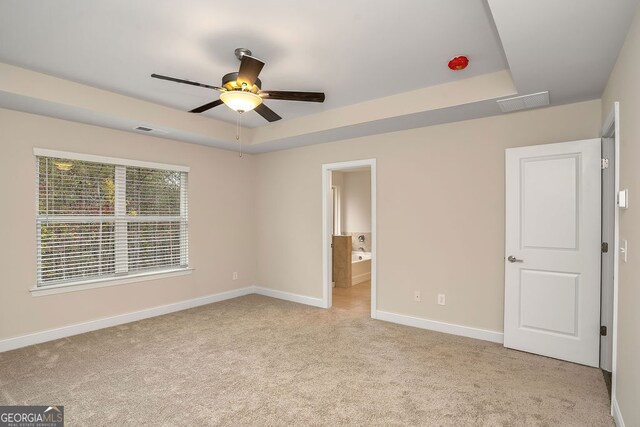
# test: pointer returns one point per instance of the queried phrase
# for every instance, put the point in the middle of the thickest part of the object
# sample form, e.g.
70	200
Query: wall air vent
534	100
151	130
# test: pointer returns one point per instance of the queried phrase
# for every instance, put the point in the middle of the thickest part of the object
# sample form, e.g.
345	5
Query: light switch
623	199
624	250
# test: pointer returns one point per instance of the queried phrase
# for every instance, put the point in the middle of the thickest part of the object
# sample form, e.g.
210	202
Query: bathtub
360	256
360	267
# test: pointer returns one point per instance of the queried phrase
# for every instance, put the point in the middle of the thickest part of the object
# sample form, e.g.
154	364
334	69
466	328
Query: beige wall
440	213
356	202
271	205
624	86
221	223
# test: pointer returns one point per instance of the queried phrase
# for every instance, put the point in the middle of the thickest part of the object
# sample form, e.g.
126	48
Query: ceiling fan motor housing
229	82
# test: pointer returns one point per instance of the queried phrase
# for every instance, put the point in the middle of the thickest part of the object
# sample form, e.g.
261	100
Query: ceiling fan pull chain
238	130
238	127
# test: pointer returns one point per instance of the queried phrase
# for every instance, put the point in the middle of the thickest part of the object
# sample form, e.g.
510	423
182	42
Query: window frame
136	276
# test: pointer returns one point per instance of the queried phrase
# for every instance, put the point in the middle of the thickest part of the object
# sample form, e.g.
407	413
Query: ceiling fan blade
173	79
250	67
292	96
206	107
267	113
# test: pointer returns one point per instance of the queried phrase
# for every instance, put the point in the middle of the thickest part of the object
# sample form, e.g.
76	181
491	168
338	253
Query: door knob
512	259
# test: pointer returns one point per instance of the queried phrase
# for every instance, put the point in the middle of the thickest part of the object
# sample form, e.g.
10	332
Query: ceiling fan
242	91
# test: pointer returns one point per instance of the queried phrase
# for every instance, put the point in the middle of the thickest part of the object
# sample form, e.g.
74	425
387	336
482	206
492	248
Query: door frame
608	257
327	229
611	129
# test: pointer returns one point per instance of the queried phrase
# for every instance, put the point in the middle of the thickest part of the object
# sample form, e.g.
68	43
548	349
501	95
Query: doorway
519	317
349	231
610	262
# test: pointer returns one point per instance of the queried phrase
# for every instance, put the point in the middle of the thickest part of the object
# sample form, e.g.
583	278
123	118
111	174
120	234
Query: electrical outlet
235	275
417	296
441	299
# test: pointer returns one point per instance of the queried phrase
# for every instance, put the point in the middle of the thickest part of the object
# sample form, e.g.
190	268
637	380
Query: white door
552	261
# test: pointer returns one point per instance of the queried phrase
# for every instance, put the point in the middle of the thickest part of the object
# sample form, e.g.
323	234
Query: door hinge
604	163
605	247
603	331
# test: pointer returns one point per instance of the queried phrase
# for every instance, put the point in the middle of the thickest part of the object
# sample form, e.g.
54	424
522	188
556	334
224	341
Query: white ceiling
567	47
354	51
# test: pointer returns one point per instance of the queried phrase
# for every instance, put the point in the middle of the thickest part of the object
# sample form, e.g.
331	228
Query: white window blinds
104	219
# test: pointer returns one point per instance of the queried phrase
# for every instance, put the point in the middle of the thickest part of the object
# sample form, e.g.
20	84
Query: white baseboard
287	296
80	328
447	328
615	412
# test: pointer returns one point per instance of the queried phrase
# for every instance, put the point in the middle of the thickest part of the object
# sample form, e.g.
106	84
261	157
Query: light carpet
264	362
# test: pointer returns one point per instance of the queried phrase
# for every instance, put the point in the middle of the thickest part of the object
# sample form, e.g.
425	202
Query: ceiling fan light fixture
242	90
240	101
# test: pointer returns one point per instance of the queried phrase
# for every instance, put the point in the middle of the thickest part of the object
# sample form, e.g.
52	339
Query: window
100	218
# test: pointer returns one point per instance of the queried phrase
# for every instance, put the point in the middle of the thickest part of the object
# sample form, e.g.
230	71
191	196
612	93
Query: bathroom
351	242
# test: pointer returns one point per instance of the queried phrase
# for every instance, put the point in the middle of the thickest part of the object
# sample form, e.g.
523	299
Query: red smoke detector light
459	63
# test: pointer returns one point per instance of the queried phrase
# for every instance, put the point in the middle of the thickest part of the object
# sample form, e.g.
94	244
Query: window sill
104	282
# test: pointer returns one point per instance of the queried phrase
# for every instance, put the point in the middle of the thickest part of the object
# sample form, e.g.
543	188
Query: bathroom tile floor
356	299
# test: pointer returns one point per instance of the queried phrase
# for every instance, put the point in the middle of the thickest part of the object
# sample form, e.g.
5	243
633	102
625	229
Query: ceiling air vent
524	102
151	130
